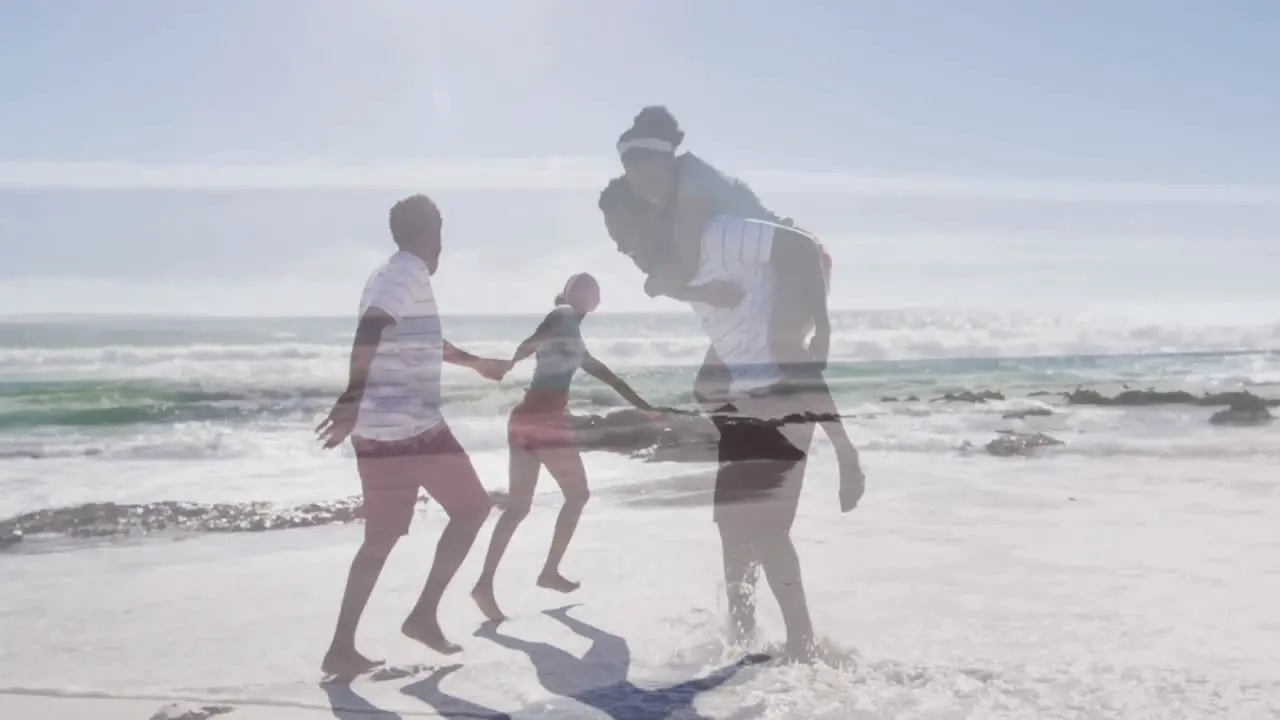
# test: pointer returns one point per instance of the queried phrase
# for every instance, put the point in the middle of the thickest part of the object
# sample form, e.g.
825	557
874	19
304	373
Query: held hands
337	426
493	369
658	414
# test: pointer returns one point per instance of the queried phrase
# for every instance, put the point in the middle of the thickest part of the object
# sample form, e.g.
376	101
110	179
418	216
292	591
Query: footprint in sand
175	711
397	672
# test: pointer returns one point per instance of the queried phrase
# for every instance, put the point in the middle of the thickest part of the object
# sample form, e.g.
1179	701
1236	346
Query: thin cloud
579	173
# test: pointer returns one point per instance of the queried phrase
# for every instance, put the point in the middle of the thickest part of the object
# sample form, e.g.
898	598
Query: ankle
420	615
341	646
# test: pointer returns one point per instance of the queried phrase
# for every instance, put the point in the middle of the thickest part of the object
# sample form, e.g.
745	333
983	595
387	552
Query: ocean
144	409
1131	571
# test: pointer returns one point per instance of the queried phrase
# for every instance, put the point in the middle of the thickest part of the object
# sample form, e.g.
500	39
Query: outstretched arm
598	370
488	367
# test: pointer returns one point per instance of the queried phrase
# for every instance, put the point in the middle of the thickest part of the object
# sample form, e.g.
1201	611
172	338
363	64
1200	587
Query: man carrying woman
760	289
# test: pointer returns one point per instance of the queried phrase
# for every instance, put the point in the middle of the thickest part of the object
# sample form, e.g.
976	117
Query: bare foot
483	595
428	633
555	581
852	482
346	663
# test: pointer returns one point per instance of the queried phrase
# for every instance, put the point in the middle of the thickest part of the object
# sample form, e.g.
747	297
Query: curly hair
634	225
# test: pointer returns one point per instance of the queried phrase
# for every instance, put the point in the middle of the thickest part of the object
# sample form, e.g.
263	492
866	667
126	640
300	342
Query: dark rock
1039	393
677	438
888	399
9	538
1011	444
911	398
1029	412
1243	413
971	397
1141	398
1241	400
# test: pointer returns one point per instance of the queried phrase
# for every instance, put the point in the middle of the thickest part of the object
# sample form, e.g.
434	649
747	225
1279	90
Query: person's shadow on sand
347	704
599	678
450	706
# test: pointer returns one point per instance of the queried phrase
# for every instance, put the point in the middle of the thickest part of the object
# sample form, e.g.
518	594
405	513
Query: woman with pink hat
539	434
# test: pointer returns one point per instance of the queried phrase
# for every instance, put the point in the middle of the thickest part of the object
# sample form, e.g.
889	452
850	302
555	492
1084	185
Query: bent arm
598	370
675	271
364	347
798	265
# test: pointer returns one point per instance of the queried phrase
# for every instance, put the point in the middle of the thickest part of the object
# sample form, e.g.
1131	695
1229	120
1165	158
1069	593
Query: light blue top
560	356
728	195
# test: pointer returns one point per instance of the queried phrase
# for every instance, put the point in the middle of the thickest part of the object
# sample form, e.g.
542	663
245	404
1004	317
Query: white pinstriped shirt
402	394
740	251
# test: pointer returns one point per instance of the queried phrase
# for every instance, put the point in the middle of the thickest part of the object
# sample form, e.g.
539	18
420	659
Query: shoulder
401	284
562	317
699	176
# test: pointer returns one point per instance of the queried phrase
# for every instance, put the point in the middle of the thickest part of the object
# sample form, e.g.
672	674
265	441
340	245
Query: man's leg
741	576
390	493
769	516
449	477
342	657
748	449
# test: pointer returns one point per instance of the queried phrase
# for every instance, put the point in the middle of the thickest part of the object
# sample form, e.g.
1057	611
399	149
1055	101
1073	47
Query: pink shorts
539	421
392	471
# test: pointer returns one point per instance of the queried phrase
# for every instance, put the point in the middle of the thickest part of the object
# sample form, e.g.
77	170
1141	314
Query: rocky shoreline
1124	398
681	438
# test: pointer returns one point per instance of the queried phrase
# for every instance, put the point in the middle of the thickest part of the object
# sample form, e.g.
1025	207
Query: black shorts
757	465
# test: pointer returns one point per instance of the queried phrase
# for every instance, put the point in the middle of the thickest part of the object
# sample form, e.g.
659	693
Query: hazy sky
239	156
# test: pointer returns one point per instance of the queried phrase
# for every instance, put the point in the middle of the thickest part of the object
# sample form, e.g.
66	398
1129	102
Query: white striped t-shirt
402	394
740	251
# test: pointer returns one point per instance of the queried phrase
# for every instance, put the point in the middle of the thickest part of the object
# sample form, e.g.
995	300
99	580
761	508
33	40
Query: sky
239	157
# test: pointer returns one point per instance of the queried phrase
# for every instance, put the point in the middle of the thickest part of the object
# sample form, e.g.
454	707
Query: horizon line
589	173
73	316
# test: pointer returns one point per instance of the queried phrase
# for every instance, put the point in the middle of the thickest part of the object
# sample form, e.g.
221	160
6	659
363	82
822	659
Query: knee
577	497
474	512
516	510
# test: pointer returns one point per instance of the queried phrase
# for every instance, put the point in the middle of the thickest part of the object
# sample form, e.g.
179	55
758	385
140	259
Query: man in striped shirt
391	412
